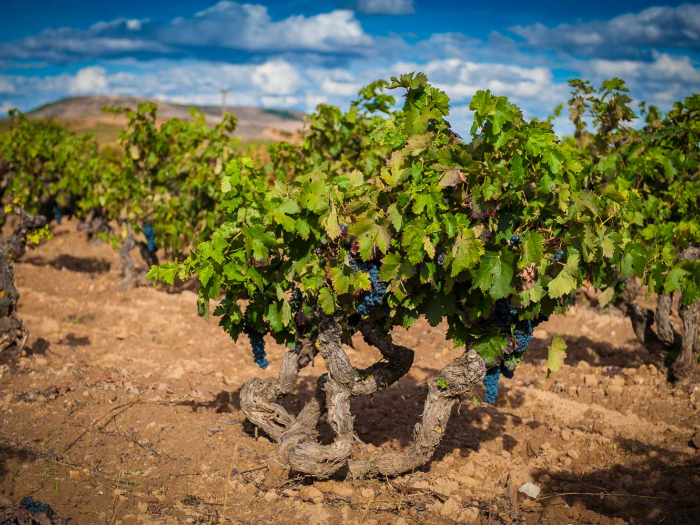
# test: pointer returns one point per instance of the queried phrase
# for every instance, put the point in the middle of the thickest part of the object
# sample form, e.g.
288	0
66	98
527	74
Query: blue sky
299	53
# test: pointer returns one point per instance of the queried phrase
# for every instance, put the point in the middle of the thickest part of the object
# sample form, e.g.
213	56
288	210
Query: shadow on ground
71	263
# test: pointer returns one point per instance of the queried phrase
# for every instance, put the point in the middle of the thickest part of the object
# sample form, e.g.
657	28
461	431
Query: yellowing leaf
556	354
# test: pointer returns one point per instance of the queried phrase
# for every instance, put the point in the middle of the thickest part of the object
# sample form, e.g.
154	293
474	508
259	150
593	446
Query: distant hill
85	114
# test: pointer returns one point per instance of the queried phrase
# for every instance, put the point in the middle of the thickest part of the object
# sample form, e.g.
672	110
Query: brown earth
125	410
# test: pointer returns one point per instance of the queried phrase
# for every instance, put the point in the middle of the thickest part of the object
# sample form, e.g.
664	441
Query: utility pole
223	102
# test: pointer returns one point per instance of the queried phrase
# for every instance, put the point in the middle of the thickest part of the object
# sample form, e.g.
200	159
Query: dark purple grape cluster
369	301
57	213
515	240
557	255
523	334
441	258
491	384
150	233
507	372
257	342
34	506
296	299
505	315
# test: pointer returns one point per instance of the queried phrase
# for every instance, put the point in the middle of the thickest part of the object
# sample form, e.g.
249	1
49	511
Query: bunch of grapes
36	507
57	213
557	255
515	240
523	334
505	315
150	233
257	342
369	301
508	369
296	299
491	384
441	258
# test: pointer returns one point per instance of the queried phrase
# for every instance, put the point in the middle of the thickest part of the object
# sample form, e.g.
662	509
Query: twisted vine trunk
297	437
96	223
665	338
396	363
13	334
126	260
259	397
309	456
686	364
664	328
455	380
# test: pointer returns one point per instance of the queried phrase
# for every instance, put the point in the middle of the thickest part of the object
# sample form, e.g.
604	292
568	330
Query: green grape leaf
556	354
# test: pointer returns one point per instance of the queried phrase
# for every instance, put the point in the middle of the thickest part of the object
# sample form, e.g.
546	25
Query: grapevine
656	168
381	216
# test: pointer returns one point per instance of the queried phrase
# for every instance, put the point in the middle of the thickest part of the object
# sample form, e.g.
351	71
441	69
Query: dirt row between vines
125	410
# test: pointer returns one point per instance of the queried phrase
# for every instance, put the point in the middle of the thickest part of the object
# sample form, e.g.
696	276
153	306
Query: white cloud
6	86
276	77
628	34
460	79
385	7
342	89
114	38
664	67
249	26
4	108
89	80
226	25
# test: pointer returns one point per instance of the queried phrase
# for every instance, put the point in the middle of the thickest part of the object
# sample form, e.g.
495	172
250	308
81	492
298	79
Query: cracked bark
95	223
258	397
13	334
664	328
309	456
127	262
642	318
457	379
382	374
686	364
298	444
665	337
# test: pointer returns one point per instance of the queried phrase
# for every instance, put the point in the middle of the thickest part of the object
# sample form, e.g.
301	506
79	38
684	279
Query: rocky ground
125	410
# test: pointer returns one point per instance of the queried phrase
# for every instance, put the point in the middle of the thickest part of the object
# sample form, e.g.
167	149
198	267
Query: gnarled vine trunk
13	334
686	364
95	224
297	438
455	380
665	338
131	276
150	257
126	260
259	397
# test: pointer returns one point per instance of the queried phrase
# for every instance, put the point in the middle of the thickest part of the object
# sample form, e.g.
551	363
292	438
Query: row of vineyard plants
158	188
382	215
